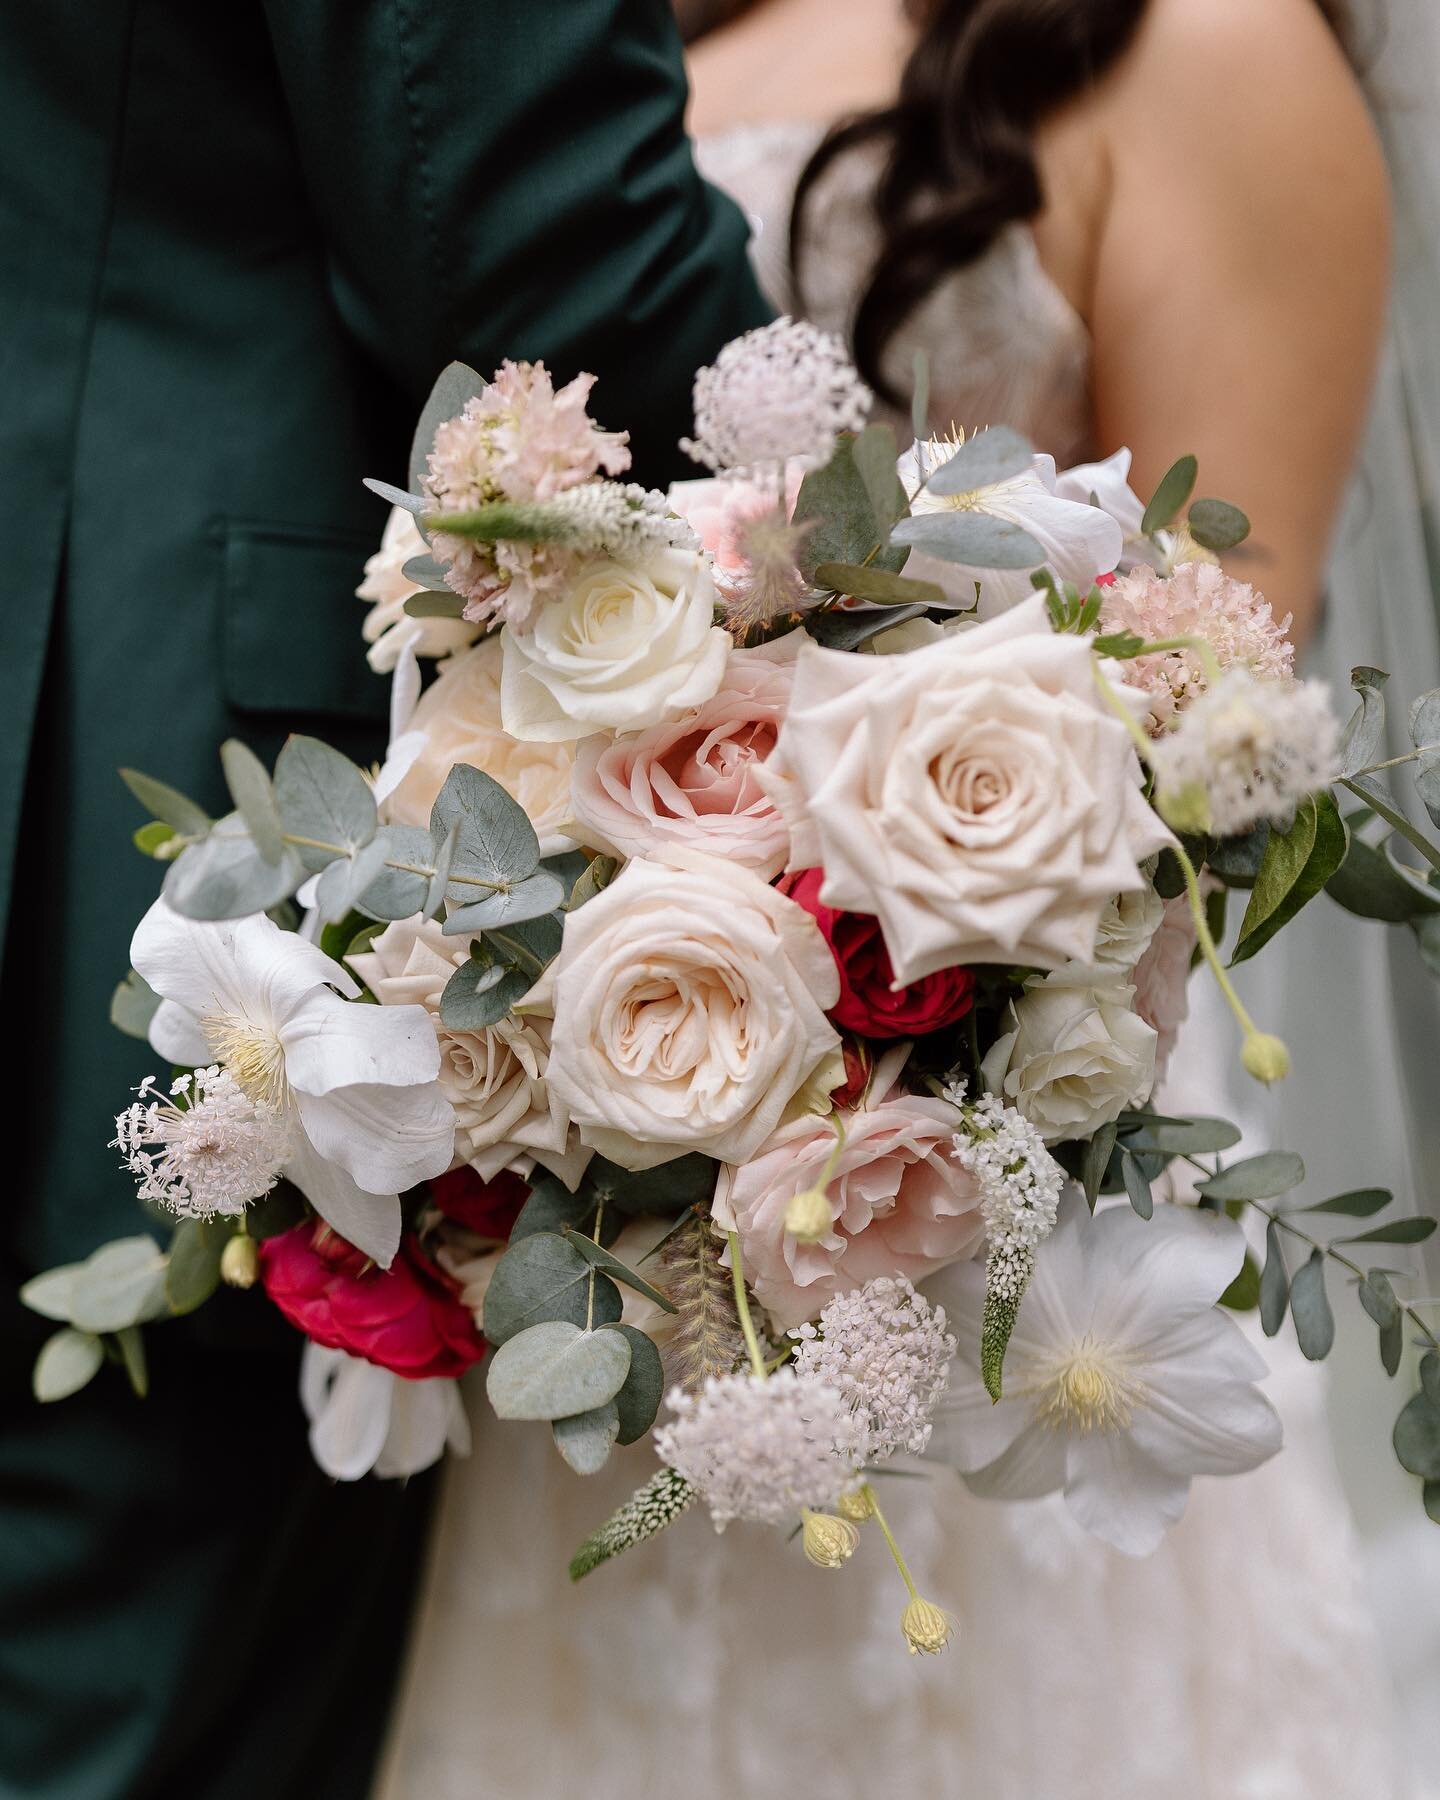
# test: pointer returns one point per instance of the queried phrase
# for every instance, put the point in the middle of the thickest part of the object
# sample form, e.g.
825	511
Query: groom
237	243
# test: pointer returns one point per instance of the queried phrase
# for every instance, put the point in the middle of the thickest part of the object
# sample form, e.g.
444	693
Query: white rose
457	720
505	1110
388	628
623	648
1078	1056
1122	937
689	1001
976	795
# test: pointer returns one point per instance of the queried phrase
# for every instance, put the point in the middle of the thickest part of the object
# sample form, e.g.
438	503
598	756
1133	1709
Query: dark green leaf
193	1271
1217	525
1310	1308
544	1277
878	585
1137	1186
1177	1137
1120	644
1417	1437
1367	884
1274	1283
1360	1203
983	459
668	1188
639	1399
1237	861
177	810
1176	486
1430	1375
1257	1177
279	1210
1297	864
845	629
1398	1231
552	1207
456	385
1378	1298
1095	1161
1243	1292
618	1271
481	993
875	456
433	604
131	1344
600	871
976	540
1431	1496
846	529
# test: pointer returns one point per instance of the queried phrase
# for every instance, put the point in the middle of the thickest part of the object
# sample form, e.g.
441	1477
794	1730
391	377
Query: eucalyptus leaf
554	1370
426	573
133	1006
920	397
1368	885
1217	525
340	885
131	1344
1176	486
1364	735
1417	1437
526	899
1310	1308
1430	1374
977	540
586	1439
67	1361
225	877
1136	1186
552	1207
480	994
1359	1203
156	840
177	810
323	796
1256	1177
874	453
878	586
843	628
415	504
192	1271
544	1277
529	944
1427	941
1296	865
398	893
618	1271
845	528
983	459
1431	1497
1274	1283
639	1400
1243	1293
122	1283
1398	1231
1238	860
600	871
1177	1137
455	386
1094	1162
494	840
443	846
669	1187
1378	1298
50	1294
433	604
248	780
278	1211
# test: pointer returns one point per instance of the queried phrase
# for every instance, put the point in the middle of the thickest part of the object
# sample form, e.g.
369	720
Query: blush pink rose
691	781
408	1318
900	1202
1162	975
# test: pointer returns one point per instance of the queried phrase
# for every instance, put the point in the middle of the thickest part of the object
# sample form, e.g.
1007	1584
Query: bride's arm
1237	284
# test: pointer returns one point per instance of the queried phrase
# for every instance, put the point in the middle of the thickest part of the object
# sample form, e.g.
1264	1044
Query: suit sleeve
512	178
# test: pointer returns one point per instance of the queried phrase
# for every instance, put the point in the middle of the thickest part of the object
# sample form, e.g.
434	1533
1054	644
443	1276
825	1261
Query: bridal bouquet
744	985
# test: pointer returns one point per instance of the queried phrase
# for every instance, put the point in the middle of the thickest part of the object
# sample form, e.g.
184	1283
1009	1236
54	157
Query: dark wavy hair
959	141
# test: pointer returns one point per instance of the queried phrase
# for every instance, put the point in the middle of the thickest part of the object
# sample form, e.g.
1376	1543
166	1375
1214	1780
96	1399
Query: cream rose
505	1110
623	648
1162	978
900	1204
388	628
689	1002
1077	1057
692	782
976	795
457	720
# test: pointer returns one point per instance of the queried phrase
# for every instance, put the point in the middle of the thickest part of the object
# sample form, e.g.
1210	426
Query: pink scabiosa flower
1198	600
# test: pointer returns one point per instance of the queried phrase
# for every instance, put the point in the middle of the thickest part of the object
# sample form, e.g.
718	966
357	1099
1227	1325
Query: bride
1106	222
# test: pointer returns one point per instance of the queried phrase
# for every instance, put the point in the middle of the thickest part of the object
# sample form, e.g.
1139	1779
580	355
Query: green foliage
192	1271
1368	884
662	1500
122	1283
1256	1177
435	605
1397	1231
280	1210
848	630
1364	735
601	1258
1274	1283
983	459
1137	1185
1417	1437
482	991
1310	1308
848	527
495	843
977	540
323	796
132	1006
1175	488
529	898
249	783
426	573
1243	1293
1296	865
1156	1133
639	1400
1237	861
599	872
157	840
1095	1161
67	1361
555	1369
1005	1284
1217	525
553	1207
585	1439
669	1187
544	1279
224	876
130	1344
456	384
1359	1203
177	810
1378	1298
878	586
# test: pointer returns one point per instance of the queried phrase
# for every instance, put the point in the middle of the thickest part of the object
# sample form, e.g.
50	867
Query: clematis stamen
253	1055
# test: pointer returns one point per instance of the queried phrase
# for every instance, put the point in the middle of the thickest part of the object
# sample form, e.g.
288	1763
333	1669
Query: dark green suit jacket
237	243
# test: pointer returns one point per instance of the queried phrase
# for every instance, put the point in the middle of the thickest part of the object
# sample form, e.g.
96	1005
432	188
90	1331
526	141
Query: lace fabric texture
1238	1663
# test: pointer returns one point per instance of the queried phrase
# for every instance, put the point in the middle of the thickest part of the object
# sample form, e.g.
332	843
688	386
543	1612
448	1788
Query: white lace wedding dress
1238	1663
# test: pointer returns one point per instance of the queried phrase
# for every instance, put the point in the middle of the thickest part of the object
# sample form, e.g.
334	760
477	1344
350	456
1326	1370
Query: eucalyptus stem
1394	762
869	1492
590	1296
405	868
742	1307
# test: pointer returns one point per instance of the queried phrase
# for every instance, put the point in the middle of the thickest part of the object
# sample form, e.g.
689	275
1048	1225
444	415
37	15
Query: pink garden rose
1161	978
691	781
900	1202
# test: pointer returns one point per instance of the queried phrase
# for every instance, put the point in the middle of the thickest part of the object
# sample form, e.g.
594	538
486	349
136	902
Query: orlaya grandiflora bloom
1080	541
356	1085
1123	1379
364	1418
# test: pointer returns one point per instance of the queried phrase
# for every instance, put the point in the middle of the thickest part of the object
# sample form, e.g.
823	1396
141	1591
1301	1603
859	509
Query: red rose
866	1004
408	1318
489	1208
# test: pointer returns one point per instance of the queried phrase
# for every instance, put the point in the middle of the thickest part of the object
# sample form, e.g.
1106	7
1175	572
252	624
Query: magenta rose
407	1318
868	1003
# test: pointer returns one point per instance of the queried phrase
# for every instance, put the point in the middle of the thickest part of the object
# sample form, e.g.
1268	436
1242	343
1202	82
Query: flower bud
1265	1057
926	1628
240	1262
808	1216
856	1506
828	1541
1185	809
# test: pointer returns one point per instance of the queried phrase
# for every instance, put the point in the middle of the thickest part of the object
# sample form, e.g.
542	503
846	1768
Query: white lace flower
762	1450
786	389
1246	750
1123	1379
1020	1181
365	1419
208	1149
356	1085
885	1349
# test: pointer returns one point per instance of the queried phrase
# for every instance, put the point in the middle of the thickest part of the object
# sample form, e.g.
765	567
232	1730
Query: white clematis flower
357	1084
1123	1379
1080	541
366	1419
